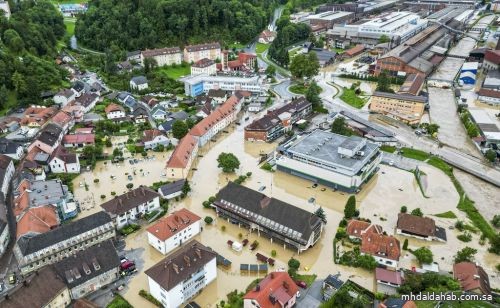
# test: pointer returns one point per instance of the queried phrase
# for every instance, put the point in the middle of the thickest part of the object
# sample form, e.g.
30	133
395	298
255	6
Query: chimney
198	252
143	191
187	260
176	268
272	275
476	277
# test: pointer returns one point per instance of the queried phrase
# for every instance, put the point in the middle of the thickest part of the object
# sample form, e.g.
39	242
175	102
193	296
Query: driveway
311	297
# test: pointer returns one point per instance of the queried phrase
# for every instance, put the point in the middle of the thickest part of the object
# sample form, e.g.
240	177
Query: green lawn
176	72
70	27
388	148
119	302
298	89
237	46
308	279
414	154
350	97
448	214
260	48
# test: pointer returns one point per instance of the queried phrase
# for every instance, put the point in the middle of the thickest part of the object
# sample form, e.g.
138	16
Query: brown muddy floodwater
382	196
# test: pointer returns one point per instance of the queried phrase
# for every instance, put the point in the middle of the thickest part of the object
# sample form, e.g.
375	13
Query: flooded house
273	218
340	162
182	275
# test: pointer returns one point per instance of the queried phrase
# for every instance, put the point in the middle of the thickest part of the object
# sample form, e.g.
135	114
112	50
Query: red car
301	284
127	266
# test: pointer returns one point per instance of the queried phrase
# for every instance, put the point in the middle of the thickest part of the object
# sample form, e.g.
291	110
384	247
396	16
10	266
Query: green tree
423	255
208	220
270	70
13	40
465	255
321	214
294	264
4	96
496	221
228	162
186	188
312	94
384	83
417	212
384	39
366	261
403	209
495	244
190	123
305	65
405	244
339	126
179	129
19	83
490	155
350	207
149	65
341	298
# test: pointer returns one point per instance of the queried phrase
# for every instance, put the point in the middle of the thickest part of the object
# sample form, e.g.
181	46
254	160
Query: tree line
132	25
27	50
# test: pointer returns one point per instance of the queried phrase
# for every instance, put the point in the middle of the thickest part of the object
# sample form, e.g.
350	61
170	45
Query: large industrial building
337	161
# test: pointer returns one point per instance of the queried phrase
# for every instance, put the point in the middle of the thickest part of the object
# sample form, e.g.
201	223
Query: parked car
301	284
127	266
12	278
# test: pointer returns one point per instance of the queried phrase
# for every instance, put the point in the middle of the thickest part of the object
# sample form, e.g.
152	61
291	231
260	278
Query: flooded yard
382	196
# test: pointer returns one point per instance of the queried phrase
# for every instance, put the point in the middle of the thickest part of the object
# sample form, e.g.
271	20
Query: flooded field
382	196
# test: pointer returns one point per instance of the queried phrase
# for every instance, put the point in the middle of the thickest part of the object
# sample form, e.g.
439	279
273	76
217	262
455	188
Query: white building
401	24
172	231
204	66
114	111
129	207
11	149
6	172
153	138
65	96
198	84
4	234
193	53
63	161
337	161
163	56
138	83
182	275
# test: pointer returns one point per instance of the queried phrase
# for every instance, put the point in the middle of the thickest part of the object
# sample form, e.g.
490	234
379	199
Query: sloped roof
173	224
424	226
151	134
380	245
182	153
63	154
277	286
113	107
127	201
37	220
471	277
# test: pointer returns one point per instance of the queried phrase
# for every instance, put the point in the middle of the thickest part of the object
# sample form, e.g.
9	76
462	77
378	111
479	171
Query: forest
27	51
134	24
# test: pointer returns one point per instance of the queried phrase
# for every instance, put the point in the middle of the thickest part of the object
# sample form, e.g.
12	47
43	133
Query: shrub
341	233
460	225
350	207
129	229
465	237
403	209
294	264
113	193
208	220
96	180
423	255
273	253
417	212
267	167
103	196
496	221
240	235
223	228
129	185
211	199
249	174
150	298
405	244
343	223
206	204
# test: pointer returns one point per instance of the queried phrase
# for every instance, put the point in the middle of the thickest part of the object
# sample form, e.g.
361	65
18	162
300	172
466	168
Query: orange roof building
472	277
37	116
37	220
276	290
384	248
171	231
179	163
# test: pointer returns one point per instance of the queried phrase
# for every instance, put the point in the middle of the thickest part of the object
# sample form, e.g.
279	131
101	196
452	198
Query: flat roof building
202	83
333	160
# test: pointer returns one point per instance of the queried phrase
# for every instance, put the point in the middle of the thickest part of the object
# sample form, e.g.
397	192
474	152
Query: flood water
382	196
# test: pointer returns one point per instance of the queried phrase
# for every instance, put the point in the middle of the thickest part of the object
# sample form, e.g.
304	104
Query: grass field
448	214
176	72
260	48
119	302
414	154
70	27
349	97
237	46
388	148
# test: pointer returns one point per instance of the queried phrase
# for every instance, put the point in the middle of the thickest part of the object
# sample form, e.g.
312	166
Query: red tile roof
182	153
384	275
113	107
38	114
62	118
79	138
173	224
37	220
277	285
216	116
355	50
471	277
84	130
151	134
489	93
205	62
380	245
357	228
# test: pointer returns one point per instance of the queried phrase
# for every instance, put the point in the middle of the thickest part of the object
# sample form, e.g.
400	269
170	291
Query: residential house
218	120
278	121
420	227
130	206
79	87
45	288
277	289
384	248
76	111
64	120
357	228
139	83
330	286
78	140
49	138
34	252
6	173
217	96
194	53
140	114
63	161
64	97
37	116
9	124
172	231
149	100
489	96
280	221
162	56
179	163
254	107
166	126
152	138
204	66
179	115
11	149
35	221
172	190
114	111
87	101
182	275
472	277
89	270
158	113
388	281
267	37
393	302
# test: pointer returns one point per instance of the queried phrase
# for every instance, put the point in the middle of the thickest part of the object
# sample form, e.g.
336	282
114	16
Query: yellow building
403	107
